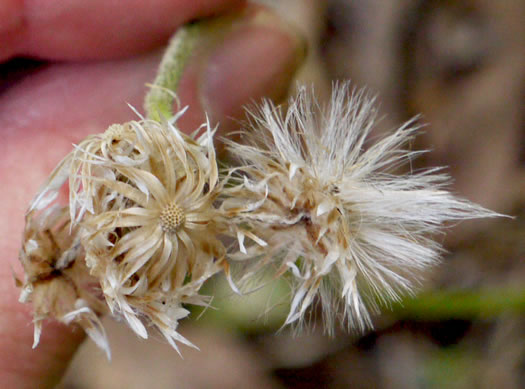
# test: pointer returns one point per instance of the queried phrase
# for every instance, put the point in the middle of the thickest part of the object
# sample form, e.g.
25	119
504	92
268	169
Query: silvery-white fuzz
322	204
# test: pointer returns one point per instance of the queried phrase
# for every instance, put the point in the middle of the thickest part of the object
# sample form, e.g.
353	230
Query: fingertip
11	27
21	366
96	29
256	56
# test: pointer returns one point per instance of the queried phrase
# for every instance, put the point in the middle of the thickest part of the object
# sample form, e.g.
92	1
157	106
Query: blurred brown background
461	64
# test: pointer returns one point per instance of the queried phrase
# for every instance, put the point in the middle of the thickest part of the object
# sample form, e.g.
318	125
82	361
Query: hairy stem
159	101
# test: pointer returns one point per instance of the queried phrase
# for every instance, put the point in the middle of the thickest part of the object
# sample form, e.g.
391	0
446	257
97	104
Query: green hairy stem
159	100
443	304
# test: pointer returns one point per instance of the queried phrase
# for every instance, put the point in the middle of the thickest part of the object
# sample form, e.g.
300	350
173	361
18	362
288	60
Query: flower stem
447	304
159	100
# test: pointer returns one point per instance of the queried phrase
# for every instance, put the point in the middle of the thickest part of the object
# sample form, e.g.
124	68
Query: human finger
95	29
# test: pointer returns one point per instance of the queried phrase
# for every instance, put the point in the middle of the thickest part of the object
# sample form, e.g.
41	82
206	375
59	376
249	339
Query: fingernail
257	57
254	62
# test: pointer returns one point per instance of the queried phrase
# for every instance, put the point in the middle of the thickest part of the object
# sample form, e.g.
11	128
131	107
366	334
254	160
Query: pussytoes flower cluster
310	200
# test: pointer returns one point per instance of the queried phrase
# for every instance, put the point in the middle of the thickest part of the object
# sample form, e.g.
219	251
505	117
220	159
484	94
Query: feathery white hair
331	213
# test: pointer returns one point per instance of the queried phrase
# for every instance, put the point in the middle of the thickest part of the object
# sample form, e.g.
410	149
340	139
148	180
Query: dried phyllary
148	210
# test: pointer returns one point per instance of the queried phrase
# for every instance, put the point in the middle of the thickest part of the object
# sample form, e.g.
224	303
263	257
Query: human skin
99	55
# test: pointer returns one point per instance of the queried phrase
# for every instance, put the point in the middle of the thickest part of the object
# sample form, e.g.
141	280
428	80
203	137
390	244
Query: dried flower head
56	278
142	213
329	212
151	226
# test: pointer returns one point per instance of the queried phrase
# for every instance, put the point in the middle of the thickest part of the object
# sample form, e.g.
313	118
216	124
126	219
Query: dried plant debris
57	280
148	208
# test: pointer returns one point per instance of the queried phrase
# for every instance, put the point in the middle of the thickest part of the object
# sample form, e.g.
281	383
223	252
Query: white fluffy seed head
347	231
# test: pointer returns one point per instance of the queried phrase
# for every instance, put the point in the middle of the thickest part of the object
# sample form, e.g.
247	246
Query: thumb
252	55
